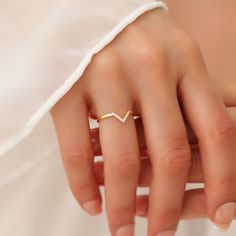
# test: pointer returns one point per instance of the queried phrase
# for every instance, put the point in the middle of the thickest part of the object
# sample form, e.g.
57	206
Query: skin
161	82
216	38
194	204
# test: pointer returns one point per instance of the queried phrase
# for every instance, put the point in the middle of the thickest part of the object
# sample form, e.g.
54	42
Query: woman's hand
149	68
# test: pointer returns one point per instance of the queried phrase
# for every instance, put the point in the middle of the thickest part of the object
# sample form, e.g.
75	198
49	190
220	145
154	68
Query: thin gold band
113	114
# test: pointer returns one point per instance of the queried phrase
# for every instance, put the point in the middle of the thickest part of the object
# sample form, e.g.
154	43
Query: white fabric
44	48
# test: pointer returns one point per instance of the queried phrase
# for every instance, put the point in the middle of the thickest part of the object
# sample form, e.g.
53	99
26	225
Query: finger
145	176
216	135
139	130
141	138
169	153
194	206
72	128
121	160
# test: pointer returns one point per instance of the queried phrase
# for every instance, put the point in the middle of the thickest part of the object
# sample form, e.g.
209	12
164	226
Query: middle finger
170	154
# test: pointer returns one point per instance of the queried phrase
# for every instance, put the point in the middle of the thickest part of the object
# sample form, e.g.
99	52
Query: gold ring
113	114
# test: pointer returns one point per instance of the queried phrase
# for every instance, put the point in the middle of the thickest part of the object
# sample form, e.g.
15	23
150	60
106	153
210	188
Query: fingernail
224	216
140	211
127	230
167	233
93	207
217	228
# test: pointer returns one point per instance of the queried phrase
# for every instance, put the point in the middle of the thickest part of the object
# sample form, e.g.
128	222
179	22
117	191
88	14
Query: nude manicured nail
93	207
167	233
127	230
224	216
141	210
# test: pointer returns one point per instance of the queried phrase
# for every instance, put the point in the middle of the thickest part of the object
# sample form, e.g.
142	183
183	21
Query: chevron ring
113	114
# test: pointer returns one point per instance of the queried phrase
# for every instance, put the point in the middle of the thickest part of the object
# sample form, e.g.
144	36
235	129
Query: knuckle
124	163
150	54
106	59
188	44
223	128
189	52
170	215
146	50
226	182
76	155
120	212
178	156
195	56
80	191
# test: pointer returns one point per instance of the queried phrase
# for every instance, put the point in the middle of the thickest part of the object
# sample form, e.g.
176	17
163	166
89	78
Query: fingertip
93	207
141	206
224	216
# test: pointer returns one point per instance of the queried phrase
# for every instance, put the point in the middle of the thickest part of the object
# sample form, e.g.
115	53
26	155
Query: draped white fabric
44	48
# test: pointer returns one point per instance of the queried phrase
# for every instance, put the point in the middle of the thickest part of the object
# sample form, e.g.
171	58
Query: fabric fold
45	48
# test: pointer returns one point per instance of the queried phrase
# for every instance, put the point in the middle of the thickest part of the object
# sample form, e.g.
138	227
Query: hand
194	204
149	68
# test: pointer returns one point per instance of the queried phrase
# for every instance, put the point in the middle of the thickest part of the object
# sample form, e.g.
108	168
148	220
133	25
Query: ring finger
120	151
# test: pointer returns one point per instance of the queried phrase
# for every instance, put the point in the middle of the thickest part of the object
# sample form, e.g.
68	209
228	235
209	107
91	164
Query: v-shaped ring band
113	114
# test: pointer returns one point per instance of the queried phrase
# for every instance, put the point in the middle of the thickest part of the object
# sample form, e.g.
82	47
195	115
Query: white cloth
45	47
